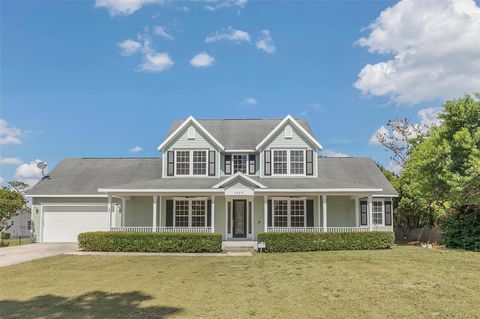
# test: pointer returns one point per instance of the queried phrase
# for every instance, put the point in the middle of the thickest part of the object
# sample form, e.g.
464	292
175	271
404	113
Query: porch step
238	249
239	246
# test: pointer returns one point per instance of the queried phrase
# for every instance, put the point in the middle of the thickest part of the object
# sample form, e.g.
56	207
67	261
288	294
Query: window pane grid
199	162
297	162
198	213
297	213
240	164
181	213
280	211
183	162
279	162
377	213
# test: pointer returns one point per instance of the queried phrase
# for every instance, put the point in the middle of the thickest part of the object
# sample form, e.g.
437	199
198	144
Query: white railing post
370	220
109	208
265	213
357	211
124	210
212	217
324	202
159	211
154	214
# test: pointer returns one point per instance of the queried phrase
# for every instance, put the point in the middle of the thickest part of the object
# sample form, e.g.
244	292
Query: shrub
5	235
286	242
461	228
150	242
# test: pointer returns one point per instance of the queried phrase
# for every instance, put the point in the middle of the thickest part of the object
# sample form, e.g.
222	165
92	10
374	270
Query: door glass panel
239	222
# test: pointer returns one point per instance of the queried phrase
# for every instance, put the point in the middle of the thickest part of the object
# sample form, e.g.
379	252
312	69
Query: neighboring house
233	177
20	225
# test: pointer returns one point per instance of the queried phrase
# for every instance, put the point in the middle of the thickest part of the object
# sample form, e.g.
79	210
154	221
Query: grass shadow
95	304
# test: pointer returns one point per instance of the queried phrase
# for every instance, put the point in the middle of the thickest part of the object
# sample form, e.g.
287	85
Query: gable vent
288	131
191	133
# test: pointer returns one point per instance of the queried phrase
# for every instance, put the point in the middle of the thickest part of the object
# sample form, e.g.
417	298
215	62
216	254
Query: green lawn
404	282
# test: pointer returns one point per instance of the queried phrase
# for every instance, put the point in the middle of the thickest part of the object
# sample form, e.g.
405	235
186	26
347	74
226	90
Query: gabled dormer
289	150
191	151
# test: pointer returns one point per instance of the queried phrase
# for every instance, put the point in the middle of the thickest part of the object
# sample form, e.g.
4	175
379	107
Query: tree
11	201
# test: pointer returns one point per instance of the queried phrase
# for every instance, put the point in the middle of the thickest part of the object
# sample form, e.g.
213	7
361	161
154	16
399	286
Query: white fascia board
240	151
291	119
184	190
189	120
241	175
71	195
320	190
379	195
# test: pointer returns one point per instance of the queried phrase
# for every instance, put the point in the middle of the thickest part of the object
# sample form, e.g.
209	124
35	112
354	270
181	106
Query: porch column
124	210
159	224
357	211
319	210
324	202
154	214
212	217
370	204
109	209
265	213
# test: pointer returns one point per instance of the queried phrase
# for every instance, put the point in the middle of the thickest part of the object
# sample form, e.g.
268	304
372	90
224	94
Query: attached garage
64	223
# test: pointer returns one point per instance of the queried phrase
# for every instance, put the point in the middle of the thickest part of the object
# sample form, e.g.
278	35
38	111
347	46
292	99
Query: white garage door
64	223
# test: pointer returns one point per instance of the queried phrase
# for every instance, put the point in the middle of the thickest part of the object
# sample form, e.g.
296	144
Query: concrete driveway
19	254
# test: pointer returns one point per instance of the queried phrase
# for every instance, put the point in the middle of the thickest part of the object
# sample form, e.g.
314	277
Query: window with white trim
199	162
280	213
297	213
199	213
183	162
377	213
190	213
240	163
289	162
191	162
289	213
297	162
181	213
280	162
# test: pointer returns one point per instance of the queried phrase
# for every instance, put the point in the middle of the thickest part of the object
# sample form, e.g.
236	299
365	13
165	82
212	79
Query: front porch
243	216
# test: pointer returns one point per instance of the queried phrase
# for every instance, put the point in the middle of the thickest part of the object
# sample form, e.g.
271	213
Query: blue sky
72	87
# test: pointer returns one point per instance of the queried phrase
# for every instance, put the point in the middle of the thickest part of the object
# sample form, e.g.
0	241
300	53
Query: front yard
403	282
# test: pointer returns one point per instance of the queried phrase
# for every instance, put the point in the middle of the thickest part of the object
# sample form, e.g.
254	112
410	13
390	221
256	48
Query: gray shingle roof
240	134
84	176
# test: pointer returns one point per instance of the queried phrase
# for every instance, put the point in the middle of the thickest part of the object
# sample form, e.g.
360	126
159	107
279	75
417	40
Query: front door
239	218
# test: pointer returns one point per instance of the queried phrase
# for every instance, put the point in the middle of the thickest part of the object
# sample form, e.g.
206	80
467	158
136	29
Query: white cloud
394	167
129	47
330	153
10	160
202	60
160	31
135	149
229	34
184	9
123	7
2	180
435	47
382	130
429	116
29	173
265	42
315	105
9	134
225	4
156	62
250	101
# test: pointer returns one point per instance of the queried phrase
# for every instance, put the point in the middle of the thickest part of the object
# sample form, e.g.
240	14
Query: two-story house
237	177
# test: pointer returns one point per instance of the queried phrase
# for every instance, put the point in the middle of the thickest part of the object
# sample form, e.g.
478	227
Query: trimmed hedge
288	242
151	242
5	235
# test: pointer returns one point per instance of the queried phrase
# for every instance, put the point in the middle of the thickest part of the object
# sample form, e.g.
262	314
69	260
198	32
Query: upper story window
240	163
288	162
189	162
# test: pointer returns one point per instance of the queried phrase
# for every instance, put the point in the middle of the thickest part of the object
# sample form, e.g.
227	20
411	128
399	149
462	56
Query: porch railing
149	229
316	229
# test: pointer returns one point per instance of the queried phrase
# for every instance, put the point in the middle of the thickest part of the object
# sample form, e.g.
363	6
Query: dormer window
288	131
289	162
191	133
191	162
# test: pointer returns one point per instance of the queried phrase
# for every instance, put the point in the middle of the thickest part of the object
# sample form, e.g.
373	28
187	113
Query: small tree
12	200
